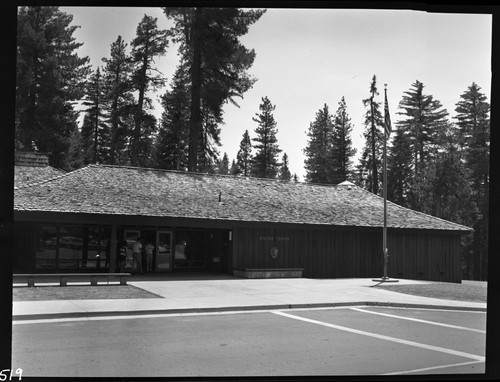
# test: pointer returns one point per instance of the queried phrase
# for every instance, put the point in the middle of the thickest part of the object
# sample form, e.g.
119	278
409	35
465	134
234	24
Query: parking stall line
383	337
419	320
433	368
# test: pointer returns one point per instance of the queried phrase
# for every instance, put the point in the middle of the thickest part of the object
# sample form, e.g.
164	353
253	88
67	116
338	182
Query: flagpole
384	234
385	250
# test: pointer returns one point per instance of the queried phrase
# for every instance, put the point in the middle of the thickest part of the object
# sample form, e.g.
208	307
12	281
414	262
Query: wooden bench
261	273
64	277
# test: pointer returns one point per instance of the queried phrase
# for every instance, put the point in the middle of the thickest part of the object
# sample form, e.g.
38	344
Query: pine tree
210	137
88	141
474	132
265	161
284	173
370	163
49	78
99	135
441	189
399	170
75	158
146	147
234	168
474	138
117	78
341	150
244	155
224	165
149	43
172	141
209	43
318	159
424	120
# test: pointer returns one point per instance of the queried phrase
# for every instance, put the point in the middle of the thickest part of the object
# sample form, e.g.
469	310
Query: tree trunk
195	120
140	104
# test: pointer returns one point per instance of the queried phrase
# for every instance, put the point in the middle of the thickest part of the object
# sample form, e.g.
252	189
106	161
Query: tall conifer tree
399	170
473	123
224	165
172	141
423	119
265	161
284	173
341	150
370	163
117	73
49	79
244	155
209	43
95	131
149	43
318	163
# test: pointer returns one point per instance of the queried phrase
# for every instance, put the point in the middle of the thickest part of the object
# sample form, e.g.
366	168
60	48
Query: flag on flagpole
387	117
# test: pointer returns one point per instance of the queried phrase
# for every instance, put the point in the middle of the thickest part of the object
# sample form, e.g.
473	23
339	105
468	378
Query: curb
48	316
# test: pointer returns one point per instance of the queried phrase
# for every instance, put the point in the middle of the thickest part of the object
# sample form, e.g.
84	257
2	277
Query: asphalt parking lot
293	342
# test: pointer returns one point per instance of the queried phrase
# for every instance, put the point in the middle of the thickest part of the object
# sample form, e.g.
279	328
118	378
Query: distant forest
437	163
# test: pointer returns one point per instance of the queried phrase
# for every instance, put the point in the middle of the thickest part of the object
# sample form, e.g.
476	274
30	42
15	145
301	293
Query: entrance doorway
163	261
201	249
183	249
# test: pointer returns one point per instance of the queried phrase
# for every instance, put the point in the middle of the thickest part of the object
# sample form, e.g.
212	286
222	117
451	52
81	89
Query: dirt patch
77	292
446	291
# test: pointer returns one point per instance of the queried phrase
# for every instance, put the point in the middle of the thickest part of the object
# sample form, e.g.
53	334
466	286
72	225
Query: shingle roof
33	174
102	189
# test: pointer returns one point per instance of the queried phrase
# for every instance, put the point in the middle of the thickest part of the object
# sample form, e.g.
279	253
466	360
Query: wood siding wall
350	253
321	252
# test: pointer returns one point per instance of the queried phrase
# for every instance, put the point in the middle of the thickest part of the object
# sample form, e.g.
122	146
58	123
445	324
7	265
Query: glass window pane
98	247
71	243
46	247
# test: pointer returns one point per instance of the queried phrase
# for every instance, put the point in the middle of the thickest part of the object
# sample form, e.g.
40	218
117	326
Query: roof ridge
237	176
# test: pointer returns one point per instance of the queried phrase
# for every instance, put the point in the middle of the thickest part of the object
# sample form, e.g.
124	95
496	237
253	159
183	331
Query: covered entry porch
58	242
178	249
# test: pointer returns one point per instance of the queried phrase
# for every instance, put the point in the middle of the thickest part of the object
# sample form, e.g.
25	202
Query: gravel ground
77	292
467	291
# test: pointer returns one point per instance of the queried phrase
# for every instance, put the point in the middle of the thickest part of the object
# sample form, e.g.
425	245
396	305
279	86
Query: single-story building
215	223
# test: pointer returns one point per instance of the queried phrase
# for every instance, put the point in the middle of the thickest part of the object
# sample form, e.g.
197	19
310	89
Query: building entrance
163	258
182	249
201	249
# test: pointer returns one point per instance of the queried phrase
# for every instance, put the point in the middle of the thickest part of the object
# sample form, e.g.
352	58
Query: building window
73	247
46	252
98	247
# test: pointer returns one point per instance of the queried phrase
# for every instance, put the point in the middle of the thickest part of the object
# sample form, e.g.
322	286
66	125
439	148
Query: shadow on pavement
180	276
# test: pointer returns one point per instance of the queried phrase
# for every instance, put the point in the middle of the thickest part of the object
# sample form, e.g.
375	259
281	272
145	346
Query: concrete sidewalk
232	294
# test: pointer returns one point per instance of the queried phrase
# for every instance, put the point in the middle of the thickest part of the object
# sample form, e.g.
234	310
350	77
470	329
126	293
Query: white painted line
434	368
382	337
465	310
419	320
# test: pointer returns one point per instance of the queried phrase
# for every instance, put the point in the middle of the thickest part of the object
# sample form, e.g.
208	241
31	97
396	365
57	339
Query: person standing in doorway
149	256
122	255
137	248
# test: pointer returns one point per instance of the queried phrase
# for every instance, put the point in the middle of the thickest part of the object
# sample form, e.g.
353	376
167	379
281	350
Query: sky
306	58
